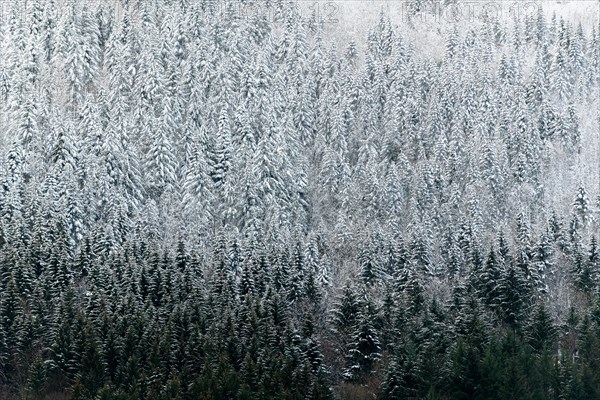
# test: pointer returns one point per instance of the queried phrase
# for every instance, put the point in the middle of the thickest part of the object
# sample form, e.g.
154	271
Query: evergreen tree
364	347
581	205
345	310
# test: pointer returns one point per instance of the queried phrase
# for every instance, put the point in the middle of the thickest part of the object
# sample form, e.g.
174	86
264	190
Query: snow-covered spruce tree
363	348
581	204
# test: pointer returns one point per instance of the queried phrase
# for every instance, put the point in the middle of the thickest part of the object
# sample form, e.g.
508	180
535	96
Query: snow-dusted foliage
210	200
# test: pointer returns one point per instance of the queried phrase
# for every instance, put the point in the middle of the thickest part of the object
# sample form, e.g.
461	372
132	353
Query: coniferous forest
207	200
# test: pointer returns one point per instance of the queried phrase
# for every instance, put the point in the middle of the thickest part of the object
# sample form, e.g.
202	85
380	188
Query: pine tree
345	310
92	372
545	260
64	358
160	162
363	348
513	296
37	377
369	269
10	311
221	161
540	332
586	271
465	372
594	258
392	387
561	75
581	205
489	285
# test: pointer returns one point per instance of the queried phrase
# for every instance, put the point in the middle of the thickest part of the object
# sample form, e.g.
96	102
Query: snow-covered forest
202	199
